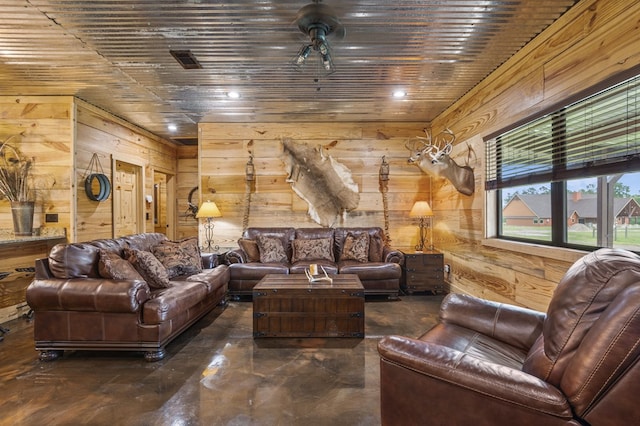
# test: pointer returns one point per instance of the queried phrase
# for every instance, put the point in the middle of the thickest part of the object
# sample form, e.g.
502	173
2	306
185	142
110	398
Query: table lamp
208	210
421	210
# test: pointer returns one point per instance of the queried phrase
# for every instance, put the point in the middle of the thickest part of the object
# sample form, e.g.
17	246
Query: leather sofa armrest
390	255
236	256
467	378
42	268
517	326
87	294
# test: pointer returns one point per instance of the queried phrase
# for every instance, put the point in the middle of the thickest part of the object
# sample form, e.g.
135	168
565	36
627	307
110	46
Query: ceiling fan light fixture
302	55
327	63
318	21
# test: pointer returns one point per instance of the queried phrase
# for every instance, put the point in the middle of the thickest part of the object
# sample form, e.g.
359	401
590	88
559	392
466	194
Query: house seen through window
571	178
526	213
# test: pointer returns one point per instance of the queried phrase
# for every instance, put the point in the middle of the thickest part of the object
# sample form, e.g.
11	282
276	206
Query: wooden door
126	199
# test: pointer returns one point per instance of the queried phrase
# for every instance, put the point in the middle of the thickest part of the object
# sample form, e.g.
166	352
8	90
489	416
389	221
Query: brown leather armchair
487	363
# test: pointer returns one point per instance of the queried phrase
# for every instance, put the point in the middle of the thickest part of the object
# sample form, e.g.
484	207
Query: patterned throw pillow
271	250
112	266
313	249
147	265
179	257
250	248
356	247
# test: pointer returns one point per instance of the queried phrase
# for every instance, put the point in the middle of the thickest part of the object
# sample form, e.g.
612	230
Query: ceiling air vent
186	59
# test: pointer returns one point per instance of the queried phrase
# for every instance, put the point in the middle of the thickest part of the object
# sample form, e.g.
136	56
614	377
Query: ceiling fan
318	21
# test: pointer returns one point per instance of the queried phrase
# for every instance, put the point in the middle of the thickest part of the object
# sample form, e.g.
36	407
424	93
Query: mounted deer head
431	155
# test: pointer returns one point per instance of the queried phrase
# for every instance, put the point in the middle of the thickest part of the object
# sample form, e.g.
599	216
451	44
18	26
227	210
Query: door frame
140	222
170	200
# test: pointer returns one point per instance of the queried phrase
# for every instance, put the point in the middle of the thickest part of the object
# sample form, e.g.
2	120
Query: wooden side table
423	272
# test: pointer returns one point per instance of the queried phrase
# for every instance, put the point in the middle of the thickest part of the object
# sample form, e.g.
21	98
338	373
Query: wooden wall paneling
186	180
533	292
611	34
46	127
562	61
99	132
224	150
292	130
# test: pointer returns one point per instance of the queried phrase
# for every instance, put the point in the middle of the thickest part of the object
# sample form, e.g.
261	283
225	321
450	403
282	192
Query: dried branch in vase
15	174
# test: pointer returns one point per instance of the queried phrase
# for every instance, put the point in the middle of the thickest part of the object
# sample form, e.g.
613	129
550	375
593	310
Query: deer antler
443	144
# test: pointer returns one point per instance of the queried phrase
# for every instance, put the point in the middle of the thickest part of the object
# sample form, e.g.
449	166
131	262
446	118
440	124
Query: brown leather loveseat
360	251
488	363
87	296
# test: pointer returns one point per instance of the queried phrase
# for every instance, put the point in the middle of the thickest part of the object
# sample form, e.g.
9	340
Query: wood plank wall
101	133
224	151
186	180
61	133
594	41
46	125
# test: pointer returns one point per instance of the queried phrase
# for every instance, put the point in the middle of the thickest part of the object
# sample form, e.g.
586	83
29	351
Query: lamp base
209	246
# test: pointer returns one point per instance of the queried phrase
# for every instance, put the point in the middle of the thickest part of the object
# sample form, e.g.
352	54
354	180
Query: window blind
595	136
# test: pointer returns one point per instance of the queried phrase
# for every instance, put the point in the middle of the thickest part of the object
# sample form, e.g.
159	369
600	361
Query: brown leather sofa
380	273
76	308
488	363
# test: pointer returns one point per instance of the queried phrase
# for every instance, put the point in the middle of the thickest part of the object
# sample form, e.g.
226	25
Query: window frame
558	182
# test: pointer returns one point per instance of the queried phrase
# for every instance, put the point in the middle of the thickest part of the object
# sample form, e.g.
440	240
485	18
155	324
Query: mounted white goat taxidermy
431	155
324	183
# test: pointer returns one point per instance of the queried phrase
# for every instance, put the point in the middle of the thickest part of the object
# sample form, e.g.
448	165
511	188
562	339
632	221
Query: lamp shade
421	209
208	209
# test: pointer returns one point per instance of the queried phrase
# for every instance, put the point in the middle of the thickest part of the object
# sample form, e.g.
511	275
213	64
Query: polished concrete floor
214	374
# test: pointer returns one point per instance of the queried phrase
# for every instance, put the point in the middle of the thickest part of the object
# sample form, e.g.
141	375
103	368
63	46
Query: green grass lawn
624	237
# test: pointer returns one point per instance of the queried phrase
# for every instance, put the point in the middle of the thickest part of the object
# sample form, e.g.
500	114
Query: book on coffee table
318	278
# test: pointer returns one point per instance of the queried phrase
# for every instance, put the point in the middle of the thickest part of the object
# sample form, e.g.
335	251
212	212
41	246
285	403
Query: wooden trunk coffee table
291	306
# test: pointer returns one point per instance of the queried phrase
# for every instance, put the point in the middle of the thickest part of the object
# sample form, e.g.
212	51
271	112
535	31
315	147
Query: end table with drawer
423	271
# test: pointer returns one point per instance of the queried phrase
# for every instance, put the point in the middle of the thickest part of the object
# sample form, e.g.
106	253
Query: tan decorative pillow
179	257
147	265
112	266
313	249
250	248
356	247
271	250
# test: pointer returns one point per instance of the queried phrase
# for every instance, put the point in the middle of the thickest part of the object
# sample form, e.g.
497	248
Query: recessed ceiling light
172	127
399	94
233	95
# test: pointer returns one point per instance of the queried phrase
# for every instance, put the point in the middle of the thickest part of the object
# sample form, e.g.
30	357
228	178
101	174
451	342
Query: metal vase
22	212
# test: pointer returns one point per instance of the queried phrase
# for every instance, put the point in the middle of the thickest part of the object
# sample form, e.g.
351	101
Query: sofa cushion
285	235
356	247
151	269
271	250
371	271
315	249
376	246
179	257
250	248
172	302
112	266
76	260
214	279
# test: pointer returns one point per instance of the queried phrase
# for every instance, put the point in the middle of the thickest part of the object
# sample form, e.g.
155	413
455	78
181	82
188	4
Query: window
571	178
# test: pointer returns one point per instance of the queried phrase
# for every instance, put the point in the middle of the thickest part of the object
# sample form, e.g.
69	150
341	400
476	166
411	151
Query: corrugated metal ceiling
115	54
